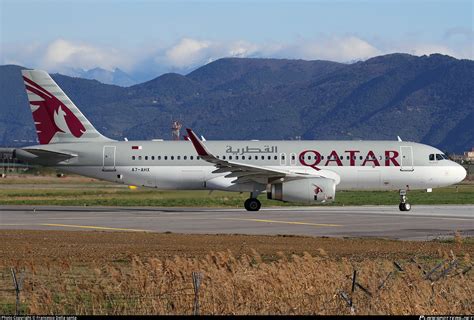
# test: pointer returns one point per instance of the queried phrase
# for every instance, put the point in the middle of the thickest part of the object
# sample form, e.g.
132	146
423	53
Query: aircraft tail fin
56	117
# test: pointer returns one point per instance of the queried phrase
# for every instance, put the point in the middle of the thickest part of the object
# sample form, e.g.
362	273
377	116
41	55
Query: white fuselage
359	165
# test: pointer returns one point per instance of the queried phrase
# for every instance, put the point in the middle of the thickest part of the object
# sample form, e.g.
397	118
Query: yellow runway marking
286	222
90	227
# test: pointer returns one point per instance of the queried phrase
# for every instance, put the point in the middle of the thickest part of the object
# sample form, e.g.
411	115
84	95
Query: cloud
62	54
188	52
342	49
148	60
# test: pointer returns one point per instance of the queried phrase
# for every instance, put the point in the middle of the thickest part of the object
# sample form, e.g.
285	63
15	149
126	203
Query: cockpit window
438	156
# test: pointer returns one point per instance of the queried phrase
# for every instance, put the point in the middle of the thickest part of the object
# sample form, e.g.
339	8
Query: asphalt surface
422	223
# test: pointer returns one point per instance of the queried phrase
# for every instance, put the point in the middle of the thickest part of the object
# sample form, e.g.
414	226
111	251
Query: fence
222	284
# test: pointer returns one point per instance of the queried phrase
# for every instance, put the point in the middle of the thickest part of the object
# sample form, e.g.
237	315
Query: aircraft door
407	158
109	158
282	159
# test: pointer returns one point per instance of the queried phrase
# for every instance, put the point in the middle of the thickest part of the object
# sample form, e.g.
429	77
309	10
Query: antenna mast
175	129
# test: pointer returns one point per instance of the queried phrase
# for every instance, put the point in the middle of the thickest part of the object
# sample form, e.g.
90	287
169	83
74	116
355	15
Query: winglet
198	145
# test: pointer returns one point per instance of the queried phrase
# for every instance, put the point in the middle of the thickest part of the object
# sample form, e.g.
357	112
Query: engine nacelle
309	190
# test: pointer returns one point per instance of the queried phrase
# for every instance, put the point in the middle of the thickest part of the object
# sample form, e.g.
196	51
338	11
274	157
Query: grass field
72	272
79	191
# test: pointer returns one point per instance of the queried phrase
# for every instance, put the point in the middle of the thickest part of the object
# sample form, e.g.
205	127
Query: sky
148	38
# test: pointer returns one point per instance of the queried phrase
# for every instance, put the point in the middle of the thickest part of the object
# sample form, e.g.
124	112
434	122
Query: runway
422	223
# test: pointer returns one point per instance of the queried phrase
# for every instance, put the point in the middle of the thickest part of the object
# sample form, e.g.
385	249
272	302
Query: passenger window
139	157
236	157
197	158
179	157
282	157
439	157
133	157
341	157
185	157
276	157
293	157
230	157
159	157
191	157
152	157
309	157
172	157
263	157
361	157
146	157
166	157
223	157
243	157
256	157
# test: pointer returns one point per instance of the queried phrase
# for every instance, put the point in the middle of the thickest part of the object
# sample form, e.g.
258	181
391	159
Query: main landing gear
404	205
252	204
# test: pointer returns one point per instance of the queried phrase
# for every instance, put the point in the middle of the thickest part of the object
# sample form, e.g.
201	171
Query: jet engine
307	190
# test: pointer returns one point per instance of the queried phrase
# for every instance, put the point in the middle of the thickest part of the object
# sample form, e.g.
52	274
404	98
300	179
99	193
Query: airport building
469	155
8	163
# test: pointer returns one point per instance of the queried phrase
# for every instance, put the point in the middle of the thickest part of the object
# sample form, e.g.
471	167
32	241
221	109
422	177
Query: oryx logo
317	189
51	115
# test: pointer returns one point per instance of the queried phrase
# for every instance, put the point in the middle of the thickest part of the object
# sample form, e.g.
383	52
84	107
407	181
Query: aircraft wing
244	172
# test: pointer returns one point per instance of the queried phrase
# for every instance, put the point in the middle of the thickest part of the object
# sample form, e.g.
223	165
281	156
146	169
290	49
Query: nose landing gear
404	205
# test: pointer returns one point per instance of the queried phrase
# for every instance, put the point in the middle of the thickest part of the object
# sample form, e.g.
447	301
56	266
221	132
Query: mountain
116	77
427	99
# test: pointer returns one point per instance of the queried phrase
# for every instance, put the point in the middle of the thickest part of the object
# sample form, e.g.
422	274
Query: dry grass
241	281
300	285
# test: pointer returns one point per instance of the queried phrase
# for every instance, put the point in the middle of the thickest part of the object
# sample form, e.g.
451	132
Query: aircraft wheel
404	206
246	204
252	204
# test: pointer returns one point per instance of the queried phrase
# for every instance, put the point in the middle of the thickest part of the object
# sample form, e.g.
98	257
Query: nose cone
459	173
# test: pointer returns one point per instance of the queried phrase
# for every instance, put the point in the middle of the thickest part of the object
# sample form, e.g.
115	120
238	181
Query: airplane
307	172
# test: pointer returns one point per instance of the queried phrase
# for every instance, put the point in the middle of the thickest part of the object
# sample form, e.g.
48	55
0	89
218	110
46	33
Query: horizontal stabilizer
50	156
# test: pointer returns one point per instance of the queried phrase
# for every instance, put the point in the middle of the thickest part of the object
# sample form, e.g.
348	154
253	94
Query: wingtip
200	149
